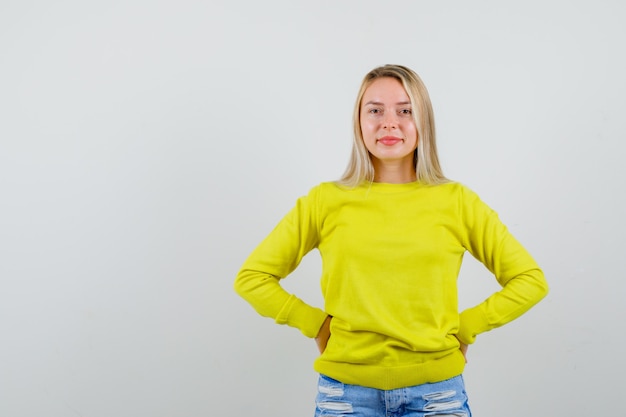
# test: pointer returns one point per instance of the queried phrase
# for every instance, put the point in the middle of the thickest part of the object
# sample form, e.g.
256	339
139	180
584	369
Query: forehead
385	90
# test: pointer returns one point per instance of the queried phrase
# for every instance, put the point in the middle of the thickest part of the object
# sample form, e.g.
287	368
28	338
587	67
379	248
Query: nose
390	121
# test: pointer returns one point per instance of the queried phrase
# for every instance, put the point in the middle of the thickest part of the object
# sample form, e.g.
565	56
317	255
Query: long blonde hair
427	167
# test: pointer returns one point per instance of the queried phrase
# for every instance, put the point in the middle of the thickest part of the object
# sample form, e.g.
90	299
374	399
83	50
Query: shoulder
460	198
451	190
462	191
328	189
320	194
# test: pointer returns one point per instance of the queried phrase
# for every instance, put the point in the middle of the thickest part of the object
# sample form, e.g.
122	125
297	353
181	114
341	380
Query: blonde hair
427	167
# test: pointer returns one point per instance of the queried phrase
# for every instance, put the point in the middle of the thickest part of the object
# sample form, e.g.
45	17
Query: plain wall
146	147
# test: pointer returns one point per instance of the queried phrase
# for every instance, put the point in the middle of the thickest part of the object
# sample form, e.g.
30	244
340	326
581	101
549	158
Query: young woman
391	233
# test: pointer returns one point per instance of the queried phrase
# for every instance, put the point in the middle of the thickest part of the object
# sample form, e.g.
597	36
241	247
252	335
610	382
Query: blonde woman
392	233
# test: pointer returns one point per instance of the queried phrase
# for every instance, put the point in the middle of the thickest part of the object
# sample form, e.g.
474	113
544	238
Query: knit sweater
391	255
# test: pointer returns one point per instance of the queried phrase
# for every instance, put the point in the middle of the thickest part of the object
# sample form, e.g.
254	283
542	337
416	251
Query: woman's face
387	124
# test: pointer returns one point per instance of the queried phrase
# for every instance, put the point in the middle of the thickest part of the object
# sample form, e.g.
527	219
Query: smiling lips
389	140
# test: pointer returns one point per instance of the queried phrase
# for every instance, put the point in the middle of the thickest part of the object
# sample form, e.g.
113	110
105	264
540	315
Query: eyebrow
378	103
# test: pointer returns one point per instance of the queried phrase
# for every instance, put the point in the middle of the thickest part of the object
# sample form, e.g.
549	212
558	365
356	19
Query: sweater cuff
298	314
472	323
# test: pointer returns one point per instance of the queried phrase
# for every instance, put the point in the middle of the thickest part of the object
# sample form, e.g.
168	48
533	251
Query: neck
397	172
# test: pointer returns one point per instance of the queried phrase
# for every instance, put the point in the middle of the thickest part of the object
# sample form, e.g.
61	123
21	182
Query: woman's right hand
323	335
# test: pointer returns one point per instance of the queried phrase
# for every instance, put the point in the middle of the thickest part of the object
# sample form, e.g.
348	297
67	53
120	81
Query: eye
406	112
374	110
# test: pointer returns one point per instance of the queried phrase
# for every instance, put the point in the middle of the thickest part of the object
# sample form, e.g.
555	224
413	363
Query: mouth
389	140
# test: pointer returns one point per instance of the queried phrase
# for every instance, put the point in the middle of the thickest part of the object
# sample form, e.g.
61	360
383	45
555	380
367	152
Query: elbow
237	286
241	284
541	285
529	287
249	282
545	289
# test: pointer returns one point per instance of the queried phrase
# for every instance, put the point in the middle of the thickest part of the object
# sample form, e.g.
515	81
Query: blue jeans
445	398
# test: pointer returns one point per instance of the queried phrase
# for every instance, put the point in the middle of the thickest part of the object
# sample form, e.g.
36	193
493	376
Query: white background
148	146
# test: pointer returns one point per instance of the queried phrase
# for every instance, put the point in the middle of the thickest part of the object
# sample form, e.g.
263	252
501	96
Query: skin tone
390	135
324	334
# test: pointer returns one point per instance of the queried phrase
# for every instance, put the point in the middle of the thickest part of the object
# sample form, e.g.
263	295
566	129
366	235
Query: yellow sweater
391	254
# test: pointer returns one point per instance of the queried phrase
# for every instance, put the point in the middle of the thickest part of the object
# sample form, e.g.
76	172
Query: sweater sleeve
258	281
523	283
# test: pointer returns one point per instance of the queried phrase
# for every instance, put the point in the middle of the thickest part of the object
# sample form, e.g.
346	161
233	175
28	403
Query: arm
523	283
258	281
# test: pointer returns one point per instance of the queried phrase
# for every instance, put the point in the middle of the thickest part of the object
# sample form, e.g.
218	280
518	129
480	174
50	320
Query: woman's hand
463	349
324	334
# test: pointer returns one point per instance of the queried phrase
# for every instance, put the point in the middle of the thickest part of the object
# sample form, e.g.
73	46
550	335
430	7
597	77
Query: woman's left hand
463	348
